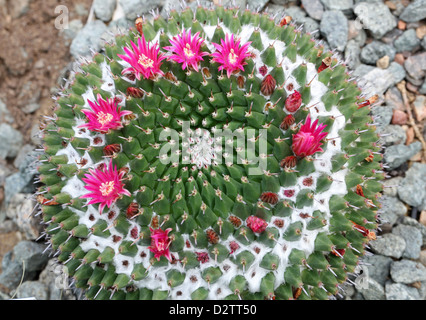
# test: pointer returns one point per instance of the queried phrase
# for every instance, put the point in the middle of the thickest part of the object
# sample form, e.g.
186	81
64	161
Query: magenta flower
186	49
160	243
105	186
256	224
230	55
308	140
104	116
143	58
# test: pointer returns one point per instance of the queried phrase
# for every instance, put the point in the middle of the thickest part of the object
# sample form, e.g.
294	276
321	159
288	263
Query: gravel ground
383	42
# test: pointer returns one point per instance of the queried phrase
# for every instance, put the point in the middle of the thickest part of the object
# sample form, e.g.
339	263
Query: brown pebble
399	117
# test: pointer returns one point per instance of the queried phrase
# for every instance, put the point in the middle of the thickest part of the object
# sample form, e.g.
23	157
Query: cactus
215	154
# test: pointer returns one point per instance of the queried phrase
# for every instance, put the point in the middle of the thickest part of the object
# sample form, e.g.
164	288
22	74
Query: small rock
419	107
402	25
396	155
416	65
412	189
356	33
376	17
422	90
342	5
352	52
12	271
409	131
380	80
104	9
408	41
383	62
400	291
392	209
314	8
399	58
133	8
10	141
407	271
389	245
20	211
74	26
24	152
378	267
334	27
373	290
257	4
33	289
413	240
393	98
415	11
416	224
88	38
376	50
399	117
382	115
31	253
391	186
394	134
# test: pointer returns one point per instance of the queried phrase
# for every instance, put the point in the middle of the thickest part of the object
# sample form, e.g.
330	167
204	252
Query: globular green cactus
216	154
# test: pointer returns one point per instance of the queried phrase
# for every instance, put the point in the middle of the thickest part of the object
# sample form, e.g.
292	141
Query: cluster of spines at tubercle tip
150	219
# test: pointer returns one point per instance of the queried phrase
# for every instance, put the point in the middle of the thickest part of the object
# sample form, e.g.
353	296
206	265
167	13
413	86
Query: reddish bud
132	210
203	257
285	21
233	246
212	236
263	70
288	162
369	101
235	221
287	122
289	193
293	102
138	24
268	85
134	233
269	197
256	224
110	149
135	92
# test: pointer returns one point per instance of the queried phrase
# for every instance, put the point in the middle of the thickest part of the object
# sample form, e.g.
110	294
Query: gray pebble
415	11
413	240
376	17
334	27
314	8
31	253
104	9
10	141
88	38
400	291
352	52
407	271
378	267
342	5
5	115
408	41
412	189
416	65
389	245
392	209
395	134
379	80
33	289
396	155
134	8
12	271
372	290
414	223
376	50
383	114
391	186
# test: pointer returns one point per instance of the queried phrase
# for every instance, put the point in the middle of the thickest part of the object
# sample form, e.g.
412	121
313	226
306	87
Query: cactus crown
215	154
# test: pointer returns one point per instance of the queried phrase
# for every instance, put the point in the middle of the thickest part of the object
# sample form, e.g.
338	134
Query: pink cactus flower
186	49
104	115
256	224
160	243
308	140
231	55
105	186
144	59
